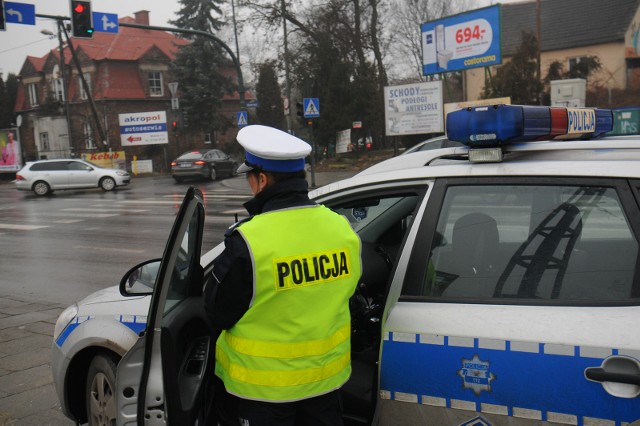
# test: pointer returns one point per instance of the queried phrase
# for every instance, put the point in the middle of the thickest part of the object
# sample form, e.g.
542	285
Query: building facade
123	73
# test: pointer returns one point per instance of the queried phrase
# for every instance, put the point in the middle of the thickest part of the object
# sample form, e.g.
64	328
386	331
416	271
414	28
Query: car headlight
122	173
64	319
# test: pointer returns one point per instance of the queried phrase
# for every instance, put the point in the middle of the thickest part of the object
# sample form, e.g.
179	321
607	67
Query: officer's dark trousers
323	410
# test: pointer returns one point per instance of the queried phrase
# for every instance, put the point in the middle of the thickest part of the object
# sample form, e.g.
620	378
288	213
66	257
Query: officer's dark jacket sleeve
229	295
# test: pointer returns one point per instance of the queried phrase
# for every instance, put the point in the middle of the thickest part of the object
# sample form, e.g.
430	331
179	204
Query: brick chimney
142	17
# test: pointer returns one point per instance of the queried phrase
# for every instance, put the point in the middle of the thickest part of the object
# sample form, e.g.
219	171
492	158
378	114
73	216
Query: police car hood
111	296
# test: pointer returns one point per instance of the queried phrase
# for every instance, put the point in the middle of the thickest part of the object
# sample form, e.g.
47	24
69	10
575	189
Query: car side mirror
141	279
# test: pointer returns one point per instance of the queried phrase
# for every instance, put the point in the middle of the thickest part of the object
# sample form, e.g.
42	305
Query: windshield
190	156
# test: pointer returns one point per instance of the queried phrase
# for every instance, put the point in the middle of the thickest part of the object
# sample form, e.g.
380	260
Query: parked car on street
433	143
203	164
45	176
500	285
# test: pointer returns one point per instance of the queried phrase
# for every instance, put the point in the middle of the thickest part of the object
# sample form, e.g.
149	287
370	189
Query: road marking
237	211
68	221
87	215
149	202
21	227
220	196
73	209
109	249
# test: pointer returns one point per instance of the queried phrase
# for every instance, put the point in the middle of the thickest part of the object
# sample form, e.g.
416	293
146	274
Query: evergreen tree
4	105
271	111
197	65
518	77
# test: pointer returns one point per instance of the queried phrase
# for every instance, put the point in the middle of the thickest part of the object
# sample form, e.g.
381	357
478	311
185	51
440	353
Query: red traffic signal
81	19
174	125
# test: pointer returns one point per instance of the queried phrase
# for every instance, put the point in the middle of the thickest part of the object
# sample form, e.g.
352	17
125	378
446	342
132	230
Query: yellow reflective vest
293	342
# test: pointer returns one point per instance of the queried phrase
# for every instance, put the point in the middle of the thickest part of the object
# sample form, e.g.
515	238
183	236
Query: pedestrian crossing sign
311	107
243	118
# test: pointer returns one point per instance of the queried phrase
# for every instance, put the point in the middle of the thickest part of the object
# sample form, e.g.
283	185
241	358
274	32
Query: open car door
162	379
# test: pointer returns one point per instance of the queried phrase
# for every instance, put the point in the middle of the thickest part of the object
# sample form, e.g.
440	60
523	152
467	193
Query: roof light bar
498	125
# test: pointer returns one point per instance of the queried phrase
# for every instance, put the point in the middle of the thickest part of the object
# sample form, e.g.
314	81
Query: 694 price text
464	35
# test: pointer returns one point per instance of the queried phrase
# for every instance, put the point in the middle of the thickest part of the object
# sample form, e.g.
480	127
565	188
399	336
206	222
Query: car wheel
41	188
100	391
234	170
213	174
107	184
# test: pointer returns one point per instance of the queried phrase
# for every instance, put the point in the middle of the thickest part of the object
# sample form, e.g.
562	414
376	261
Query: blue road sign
311	107
105	22
243	118
20	13
253	104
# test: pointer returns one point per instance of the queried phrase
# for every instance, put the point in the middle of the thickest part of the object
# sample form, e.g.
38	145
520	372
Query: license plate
185	165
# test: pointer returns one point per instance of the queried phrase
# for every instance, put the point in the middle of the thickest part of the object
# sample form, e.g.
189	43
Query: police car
500	286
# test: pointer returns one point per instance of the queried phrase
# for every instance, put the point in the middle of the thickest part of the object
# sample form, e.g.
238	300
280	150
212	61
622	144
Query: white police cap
271	150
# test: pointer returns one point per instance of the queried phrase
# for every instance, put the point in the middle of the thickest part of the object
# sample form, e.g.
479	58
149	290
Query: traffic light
185	118
299	109
174	126
81	19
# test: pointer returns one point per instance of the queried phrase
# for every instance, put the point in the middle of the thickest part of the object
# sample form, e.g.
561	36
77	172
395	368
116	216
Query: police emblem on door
476	375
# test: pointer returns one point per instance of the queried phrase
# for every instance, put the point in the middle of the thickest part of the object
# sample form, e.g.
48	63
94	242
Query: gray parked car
203	164
45	176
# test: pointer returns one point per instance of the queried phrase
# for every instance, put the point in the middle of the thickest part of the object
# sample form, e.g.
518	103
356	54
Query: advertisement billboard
10	151
143	128
109	160
412	109
458	42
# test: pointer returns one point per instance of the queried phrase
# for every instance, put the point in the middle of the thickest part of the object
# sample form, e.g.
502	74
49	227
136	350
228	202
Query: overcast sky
20	41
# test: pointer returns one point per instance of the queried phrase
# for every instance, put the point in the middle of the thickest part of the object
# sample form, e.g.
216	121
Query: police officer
282	296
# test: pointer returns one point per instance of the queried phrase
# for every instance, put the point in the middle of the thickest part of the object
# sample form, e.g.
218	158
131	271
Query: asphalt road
58	249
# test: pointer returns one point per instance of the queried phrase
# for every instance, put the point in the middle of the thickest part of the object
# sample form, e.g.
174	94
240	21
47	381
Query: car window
531	242
76	165
57	166
180	277
190	156
38	167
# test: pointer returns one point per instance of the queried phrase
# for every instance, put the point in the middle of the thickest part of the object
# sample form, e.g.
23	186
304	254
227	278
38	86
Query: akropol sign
143	128
412	109
458	42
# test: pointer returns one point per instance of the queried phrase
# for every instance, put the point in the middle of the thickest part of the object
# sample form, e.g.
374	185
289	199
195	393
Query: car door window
77	166
536	243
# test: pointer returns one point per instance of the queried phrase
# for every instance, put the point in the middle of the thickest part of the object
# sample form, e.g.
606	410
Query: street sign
173	88
311	107
357	125
253	104
105	22
175	103
20	13
243	118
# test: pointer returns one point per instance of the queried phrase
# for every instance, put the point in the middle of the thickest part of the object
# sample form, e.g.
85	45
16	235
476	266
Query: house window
44	141
573	63
87	78
57	87
89	139
32	89
155	83
207	138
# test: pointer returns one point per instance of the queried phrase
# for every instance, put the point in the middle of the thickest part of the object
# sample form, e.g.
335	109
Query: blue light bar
498	125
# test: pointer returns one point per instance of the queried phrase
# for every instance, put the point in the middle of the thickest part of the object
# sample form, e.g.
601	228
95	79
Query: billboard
143	128
412	109
10	151
458	42
109	160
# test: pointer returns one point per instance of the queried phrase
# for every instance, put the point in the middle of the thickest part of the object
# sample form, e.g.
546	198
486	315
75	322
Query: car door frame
403	331
142	372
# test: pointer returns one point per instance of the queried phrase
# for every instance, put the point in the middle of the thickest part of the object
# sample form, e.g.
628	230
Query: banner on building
413	109
10	151
143	128
108	160
343	141
459	42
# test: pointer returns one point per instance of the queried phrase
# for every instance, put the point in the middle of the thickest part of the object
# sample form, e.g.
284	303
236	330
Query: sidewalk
27	395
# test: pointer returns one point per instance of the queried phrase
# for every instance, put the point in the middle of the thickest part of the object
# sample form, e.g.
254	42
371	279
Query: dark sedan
203	164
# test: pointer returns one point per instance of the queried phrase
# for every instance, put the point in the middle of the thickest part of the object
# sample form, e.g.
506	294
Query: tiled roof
567	23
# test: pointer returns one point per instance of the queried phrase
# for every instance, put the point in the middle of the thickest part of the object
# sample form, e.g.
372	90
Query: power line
24	45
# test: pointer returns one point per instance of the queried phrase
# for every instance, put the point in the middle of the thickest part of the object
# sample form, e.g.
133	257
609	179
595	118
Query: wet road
67	245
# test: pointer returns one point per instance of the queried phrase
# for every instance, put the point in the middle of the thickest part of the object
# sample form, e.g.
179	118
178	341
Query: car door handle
599	374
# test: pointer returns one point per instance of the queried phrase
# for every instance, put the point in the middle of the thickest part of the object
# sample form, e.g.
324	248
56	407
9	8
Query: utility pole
286	64
65	89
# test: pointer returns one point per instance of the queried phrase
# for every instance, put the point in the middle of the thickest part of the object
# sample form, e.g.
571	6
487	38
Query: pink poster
10	152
